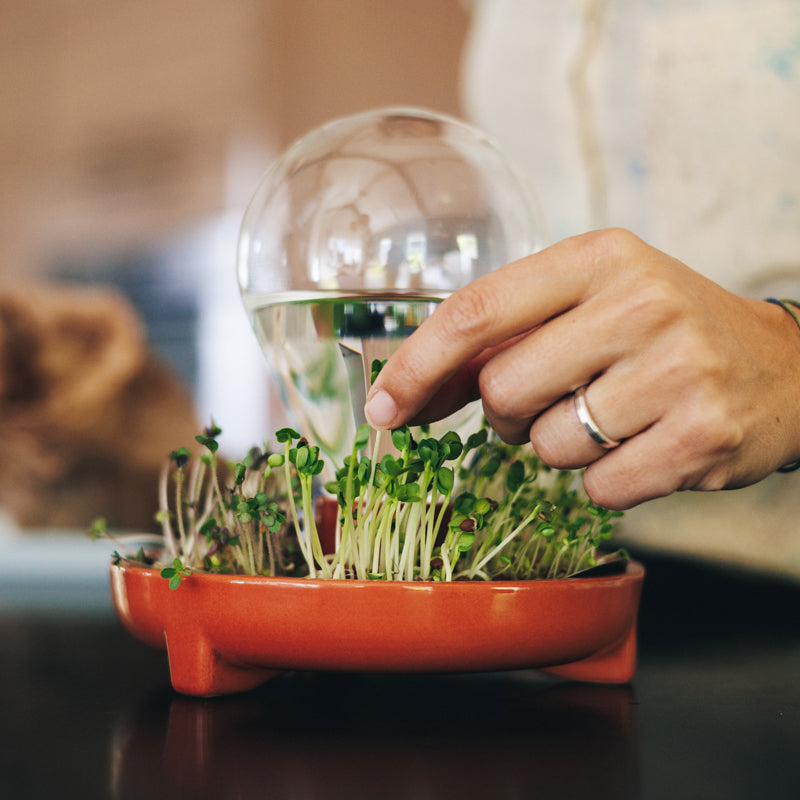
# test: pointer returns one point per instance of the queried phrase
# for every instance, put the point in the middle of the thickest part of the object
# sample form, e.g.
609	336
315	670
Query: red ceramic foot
613	664
197	669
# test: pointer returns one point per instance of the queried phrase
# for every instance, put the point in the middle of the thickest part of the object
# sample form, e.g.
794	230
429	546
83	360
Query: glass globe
352	238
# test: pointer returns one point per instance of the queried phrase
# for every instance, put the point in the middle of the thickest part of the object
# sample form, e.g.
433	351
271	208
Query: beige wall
124	120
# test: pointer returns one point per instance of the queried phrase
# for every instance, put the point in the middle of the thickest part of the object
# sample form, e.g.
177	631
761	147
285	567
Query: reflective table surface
714	712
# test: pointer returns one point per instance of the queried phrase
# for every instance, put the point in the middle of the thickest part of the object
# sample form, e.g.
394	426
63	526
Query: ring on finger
589	425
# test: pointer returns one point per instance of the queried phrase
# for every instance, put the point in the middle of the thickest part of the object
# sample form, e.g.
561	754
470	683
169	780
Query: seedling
175	573
433	510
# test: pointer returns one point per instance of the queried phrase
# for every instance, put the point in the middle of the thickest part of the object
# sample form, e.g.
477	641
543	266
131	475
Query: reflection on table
342	736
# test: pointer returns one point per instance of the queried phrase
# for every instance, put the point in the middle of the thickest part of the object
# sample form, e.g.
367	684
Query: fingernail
380	410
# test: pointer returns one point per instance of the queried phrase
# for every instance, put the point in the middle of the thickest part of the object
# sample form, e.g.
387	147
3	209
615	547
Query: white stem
495	550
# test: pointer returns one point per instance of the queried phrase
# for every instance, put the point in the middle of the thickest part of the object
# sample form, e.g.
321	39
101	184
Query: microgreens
434	509
175	573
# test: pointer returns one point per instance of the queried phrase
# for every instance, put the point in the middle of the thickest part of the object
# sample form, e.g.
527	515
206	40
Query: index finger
491	310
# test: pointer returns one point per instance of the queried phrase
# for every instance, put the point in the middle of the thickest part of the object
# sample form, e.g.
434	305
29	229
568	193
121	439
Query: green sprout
175	573
433	509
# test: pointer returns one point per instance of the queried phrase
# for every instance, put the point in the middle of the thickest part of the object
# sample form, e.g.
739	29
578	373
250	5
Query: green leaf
409	493
482	506
180	456
208	442
464	503
489	469
428	450
275	459
390	465
175	582
213	430
516	476
301	458
376	367
465	541
454	445
362	437
445	479
477	439
401	437
286	435
364	469
317	468
415	465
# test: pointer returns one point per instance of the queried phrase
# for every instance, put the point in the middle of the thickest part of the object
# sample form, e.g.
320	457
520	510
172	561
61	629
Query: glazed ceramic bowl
226	633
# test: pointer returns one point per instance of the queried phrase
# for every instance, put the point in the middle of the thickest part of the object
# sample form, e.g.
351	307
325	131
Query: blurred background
132	135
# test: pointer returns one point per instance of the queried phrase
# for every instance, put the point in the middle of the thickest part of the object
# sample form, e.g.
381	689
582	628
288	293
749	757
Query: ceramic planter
225	633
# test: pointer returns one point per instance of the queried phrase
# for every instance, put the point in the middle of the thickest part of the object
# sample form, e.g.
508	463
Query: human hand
699	385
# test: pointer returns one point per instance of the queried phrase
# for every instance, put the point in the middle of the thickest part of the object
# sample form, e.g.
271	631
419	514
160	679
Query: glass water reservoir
353	237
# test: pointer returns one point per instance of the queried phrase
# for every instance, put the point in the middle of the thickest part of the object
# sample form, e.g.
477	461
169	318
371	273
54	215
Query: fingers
674	368
523	380
619	340
486	314
680	452
460	388
560	440
670	455
633	473
624	401
689	415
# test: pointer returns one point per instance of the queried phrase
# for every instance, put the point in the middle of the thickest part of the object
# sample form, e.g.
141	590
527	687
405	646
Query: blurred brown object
87	413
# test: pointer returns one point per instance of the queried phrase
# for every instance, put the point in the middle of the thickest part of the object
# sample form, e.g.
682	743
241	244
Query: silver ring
589	425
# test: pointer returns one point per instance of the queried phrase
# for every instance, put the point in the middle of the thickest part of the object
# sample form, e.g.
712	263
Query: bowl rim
634	571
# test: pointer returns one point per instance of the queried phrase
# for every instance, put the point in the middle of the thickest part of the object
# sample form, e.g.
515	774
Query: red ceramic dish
226	633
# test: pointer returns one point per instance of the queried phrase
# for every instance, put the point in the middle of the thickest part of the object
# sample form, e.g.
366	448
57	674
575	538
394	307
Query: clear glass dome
399	200
352	237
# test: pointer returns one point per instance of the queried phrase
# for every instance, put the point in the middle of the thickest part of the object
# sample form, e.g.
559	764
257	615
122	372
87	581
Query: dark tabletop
714	712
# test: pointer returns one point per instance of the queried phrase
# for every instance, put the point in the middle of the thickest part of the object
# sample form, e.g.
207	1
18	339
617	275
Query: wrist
792	309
